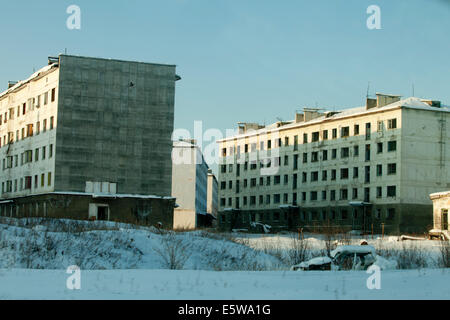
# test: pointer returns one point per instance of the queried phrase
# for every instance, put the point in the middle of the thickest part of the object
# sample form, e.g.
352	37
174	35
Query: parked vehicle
342	258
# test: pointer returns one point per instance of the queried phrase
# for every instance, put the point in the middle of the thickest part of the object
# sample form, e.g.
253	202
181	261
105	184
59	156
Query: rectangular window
324	175
305	138
29	130
324	155
355	193
355	172
49	179
276	180
315	136
276	198
51	122
333	174
392	146
315	156
305	157
392	123
345	132
380	126
344	173
313	195
368	131
53	94
379	192
379	147
45	98
333	153
345	152
355	151
392	168
36	154
314	175
379	170
333	195
50	151
44	125
391	191
334	133
325	134
356	129
27	182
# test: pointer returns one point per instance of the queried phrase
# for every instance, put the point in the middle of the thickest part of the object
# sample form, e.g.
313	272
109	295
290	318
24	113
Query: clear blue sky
246	60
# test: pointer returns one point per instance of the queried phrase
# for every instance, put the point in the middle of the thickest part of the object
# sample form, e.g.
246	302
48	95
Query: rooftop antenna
413	89
368	87
65	50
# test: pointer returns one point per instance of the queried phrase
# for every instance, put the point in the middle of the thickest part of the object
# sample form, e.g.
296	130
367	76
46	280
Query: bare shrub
408	256
298	250
172	251
330	237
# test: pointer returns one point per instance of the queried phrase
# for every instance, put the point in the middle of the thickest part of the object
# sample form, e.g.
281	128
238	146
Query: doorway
102	213
444	217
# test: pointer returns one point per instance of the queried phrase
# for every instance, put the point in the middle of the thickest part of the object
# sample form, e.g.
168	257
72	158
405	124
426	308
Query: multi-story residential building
89	138
190	185
364	168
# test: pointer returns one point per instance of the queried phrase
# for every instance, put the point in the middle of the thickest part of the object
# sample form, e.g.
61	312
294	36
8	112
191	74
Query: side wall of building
115	120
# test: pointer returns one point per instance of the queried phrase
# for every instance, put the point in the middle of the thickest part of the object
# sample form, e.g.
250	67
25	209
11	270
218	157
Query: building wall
115	121
441	204
36	98
70	206
189	184
212	206
397	212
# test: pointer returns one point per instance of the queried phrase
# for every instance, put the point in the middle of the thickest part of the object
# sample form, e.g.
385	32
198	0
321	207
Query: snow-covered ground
34	244
196	284
120	261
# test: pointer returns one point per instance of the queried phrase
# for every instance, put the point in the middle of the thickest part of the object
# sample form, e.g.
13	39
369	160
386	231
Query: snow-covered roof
33	76
410	103
109	195
441	194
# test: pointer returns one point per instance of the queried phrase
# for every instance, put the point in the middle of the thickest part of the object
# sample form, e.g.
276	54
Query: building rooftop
410	103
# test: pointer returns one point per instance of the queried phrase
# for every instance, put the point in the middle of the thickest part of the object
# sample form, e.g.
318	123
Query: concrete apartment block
190	186
82	122
367	168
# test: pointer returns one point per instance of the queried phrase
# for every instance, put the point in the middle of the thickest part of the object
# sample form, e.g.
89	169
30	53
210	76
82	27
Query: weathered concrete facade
441	220
129	209
115	120
83	120
363	168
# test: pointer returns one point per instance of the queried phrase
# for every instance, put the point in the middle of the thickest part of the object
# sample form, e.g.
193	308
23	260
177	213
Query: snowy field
196	284
120	261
